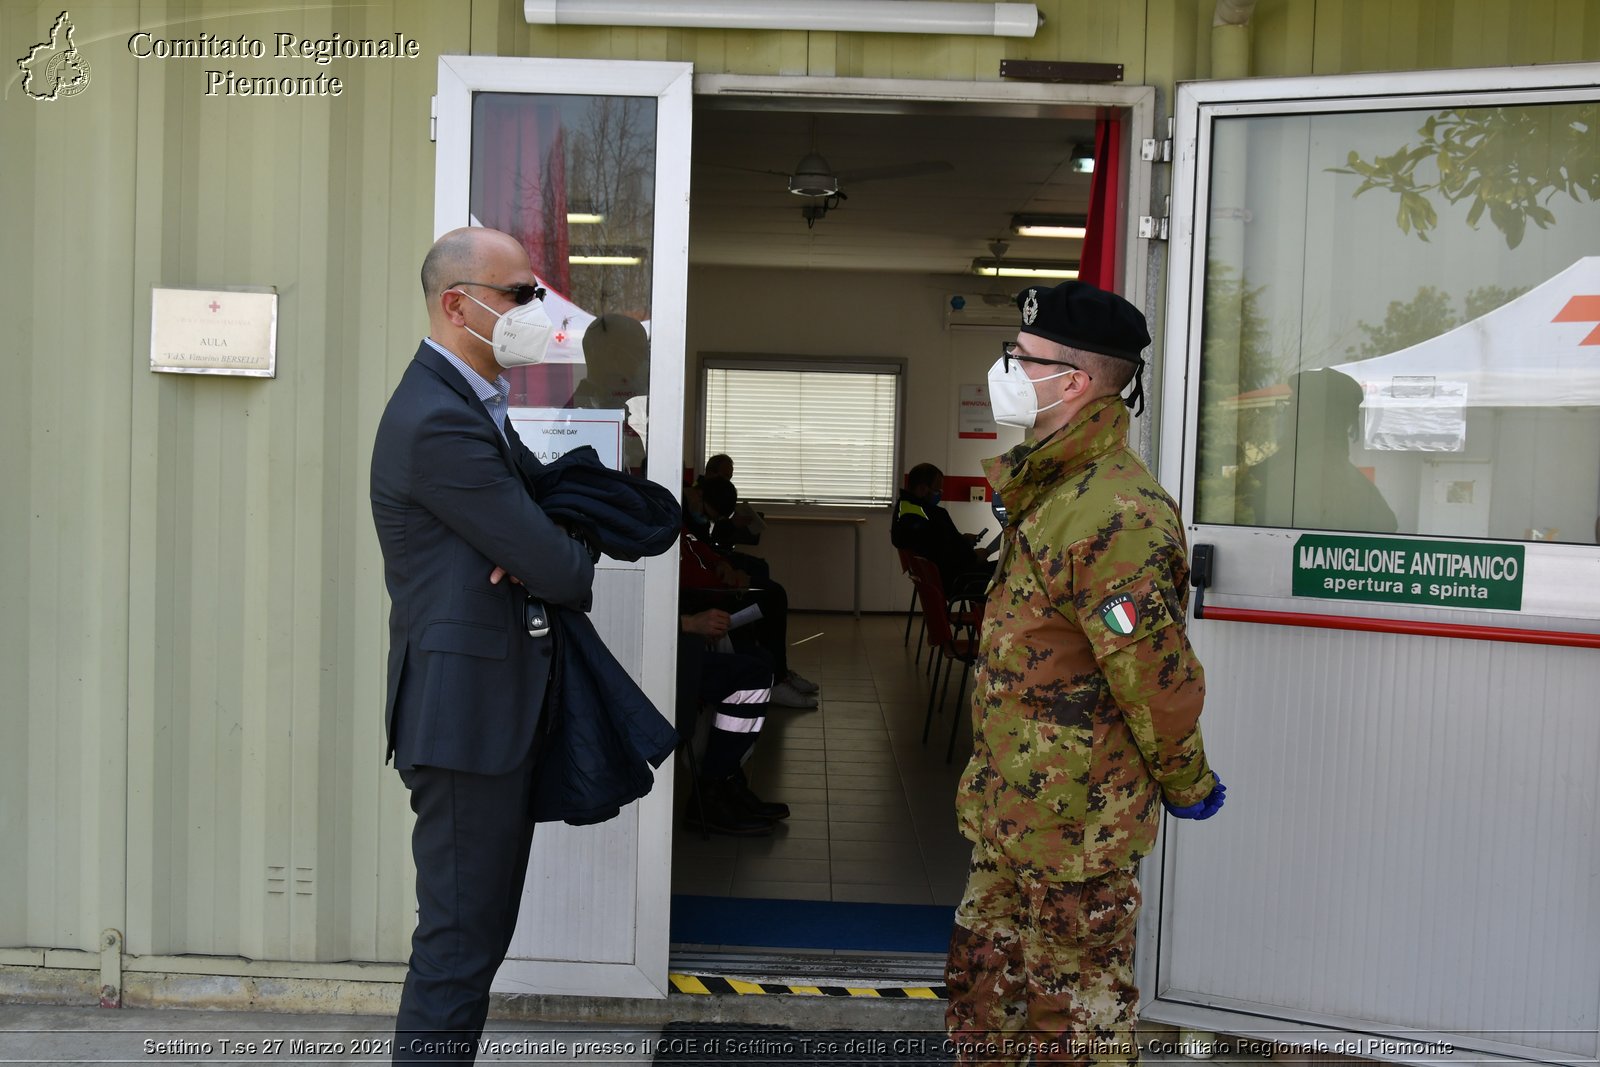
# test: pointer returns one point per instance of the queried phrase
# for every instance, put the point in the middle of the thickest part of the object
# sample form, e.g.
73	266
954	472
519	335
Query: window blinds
824	434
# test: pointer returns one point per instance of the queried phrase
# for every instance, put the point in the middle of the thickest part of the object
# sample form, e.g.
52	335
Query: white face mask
521	334
1012	396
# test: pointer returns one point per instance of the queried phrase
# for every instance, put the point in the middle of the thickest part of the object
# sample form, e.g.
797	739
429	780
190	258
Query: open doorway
879	269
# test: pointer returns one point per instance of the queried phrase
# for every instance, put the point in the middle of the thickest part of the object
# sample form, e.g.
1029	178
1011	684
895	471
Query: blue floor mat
811	924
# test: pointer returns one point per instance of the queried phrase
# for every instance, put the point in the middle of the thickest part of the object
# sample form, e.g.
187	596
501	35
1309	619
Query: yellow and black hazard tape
716	985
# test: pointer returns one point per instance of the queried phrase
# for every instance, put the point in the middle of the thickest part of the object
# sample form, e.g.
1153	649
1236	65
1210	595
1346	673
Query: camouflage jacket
1087	696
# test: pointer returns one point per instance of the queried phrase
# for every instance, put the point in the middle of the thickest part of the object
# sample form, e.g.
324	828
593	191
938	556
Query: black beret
1079	315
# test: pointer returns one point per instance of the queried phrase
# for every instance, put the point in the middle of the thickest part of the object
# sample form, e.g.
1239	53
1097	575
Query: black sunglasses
521	294
1011	350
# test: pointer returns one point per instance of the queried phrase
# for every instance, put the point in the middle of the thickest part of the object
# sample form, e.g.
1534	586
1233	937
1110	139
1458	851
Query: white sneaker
787	696
801	684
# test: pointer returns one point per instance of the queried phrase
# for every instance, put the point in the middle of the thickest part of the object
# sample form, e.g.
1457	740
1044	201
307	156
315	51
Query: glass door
587	164
1383	303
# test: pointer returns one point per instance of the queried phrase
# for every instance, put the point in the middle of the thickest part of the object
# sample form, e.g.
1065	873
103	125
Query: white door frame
459	77
635	603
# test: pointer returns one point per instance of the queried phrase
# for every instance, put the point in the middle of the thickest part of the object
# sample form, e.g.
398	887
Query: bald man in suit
469	561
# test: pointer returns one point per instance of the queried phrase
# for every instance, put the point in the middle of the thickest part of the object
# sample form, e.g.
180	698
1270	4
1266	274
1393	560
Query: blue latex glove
1205	808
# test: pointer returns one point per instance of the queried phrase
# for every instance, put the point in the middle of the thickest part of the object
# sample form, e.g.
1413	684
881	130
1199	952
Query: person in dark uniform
736	690
922	527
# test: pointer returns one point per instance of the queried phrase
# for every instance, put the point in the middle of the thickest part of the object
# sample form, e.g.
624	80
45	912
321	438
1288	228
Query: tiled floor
873	814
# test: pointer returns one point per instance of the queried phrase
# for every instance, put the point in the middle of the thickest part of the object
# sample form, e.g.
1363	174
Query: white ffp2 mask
1012	396
521	334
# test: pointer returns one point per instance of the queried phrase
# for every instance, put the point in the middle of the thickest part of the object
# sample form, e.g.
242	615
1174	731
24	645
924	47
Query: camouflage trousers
1042	972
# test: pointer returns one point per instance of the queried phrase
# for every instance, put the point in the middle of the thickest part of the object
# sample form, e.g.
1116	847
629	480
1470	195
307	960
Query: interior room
884	268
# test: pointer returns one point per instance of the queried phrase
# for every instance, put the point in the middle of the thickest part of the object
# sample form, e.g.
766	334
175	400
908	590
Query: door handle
1200	569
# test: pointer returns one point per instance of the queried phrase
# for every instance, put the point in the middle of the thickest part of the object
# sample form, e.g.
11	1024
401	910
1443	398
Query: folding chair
911	608
952	634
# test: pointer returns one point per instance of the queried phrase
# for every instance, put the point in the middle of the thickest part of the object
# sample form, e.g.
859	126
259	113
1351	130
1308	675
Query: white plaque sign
550	433
214	331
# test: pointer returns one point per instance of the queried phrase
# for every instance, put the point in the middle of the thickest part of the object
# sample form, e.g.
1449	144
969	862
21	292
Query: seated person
694	512
740	687
744	525
707	578
718	501
924	528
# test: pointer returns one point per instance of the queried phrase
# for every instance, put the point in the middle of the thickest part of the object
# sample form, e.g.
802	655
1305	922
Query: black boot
723	814
737	787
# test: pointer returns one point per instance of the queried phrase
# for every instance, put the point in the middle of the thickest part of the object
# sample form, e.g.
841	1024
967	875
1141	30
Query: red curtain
1100	260
519	185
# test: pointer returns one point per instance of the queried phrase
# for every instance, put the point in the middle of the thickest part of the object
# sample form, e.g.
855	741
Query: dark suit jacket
451	501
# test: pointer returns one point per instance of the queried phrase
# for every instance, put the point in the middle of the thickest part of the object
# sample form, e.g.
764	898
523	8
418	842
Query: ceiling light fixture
584	218
1049	225
813	177
1022	268
858	16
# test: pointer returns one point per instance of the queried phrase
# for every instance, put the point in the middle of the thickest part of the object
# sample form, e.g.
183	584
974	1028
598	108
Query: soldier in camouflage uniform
1086	705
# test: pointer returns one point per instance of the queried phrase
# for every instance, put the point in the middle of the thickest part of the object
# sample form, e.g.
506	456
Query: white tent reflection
1540	350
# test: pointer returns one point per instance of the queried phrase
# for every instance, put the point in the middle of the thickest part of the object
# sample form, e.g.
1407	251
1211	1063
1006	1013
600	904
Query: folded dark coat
631	516
603	734
602	731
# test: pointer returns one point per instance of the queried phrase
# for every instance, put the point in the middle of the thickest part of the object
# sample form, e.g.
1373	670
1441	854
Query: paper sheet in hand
747	614
749	518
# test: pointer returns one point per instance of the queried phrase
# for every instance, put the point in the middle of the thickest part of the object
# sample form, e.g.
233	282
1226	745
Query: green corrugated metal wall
191	655
193	663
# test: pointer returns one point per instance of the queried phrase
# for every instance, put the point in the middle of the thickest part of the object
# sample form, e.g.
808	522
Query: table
855	525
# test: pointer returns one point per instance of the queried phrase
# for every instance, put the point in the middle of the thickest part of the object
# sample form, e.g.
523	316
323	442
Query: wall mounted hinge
1153	150
433	118
1154	227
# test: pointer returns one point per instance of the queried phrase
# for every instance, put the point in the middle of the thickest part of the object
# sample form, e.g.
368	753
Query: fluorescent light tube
988	269
605	261
849	16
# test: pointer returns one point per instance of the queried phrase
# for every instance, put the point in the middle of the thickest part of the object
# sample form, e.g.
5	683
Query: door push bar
1201	577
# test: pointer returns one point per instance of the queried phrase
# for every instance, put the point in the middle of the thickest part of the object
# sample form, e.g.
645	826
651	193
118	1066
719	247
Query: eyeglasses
521	294
1012	351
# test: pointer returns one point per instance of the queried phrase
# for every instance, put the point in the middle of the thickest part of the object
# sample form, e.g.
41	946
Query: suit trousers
471	843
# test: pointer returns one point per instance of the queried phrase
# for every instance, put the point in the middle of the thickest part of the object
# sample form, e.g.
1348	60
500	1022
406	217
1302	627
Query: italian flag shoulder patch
1120	615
